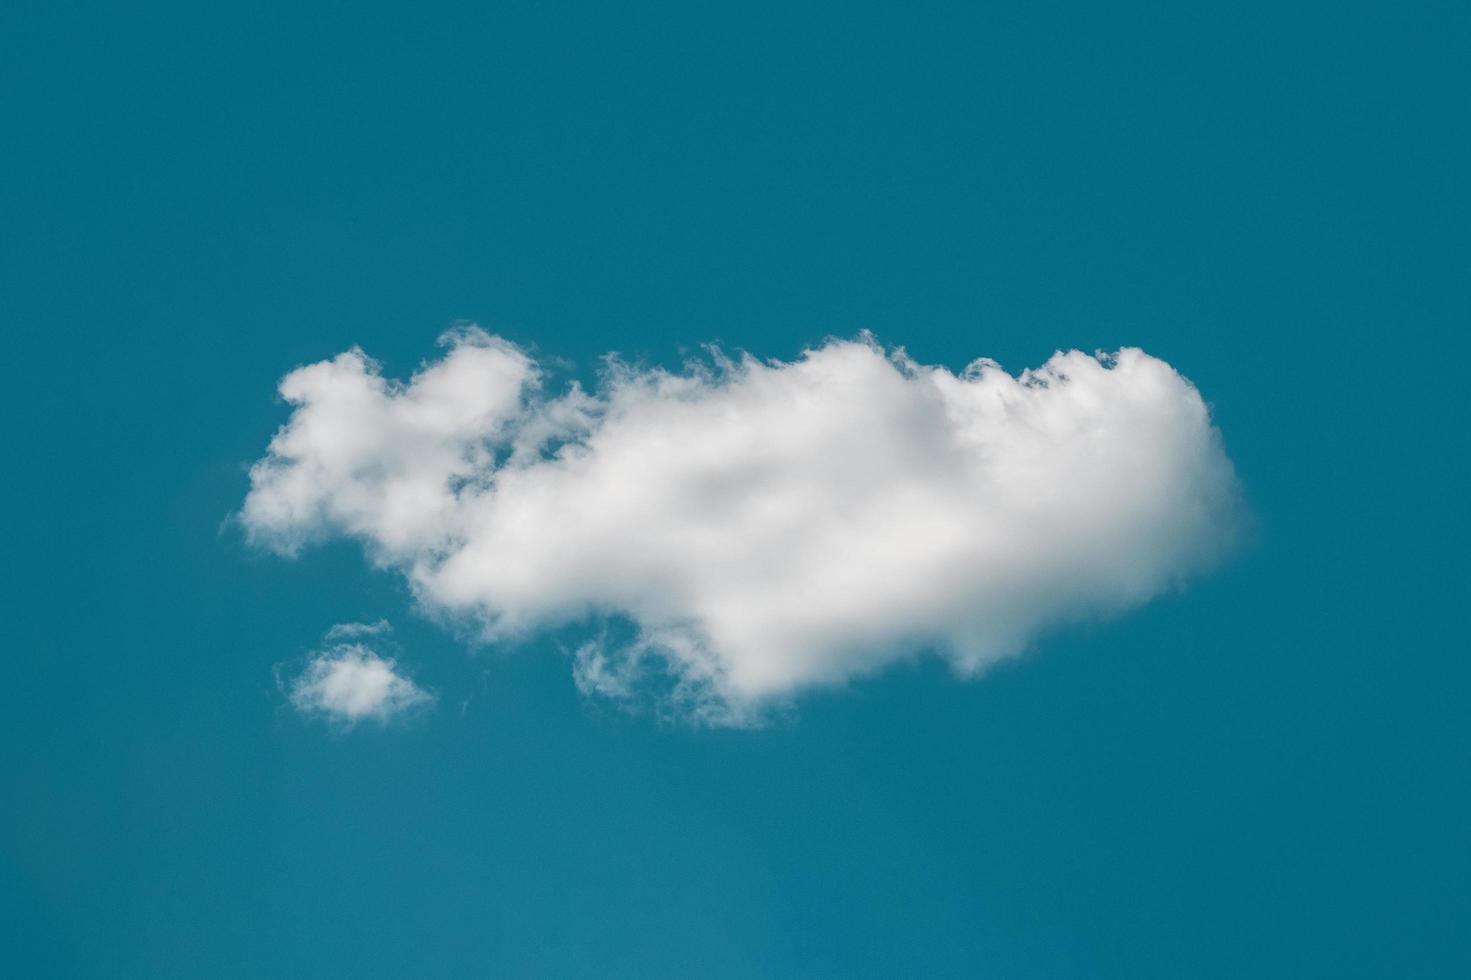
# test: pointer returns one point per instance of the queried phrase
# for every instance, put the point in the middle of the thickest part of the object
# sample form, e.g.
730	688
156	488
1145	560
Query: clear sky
1264	774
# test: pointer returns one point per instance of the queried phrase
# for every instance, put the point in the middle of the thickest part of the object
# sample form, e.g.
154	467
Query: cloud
752	528
347	683
346	631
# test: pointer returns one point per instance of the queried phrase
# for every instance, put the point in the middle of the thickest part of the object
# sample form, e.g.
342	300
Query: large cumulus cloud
757	527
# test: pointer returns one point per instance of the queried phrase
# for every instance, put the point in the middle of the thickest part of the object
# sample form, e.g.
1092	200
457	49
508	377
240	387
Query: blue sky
1262	774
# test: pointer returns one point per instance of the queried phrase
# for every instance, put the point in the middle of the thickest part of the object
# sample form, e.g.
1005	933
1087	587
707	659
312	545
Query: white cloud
347	631
763	526
349	682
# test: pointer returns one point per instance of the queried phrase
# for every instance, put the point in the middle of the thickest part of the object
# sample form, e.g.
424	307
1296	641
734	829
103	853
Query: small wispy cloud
349	682
347	631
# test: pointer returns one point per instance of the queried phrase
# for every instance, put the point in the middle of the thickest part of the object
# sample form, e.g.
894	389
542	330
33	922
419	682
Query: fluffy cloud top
763	526
348	682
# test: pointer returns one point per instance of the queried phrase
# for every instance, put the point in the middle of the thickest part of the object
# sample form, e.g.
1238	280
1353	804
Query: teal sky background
1265	775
